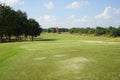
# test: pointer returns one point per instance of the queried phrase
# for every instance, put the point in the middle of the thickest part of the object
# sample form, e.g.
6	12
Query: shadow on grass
45	39
35	39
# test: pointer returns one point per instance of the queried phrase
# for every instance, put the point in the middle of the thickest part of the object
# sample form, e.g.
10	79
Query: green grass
61	57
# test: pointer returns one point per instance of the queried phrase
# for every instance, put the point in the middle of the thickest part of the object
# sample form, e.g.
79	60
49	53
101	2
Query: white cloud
117	21
53	21
116	11
108	13
76	4
12	2
85	19
49	5
76	19
48	20
105	14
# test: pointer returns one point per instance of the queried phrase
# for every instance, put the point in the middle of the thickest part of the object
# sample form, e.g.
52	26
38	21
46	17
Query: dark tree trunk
0	39
32	37
25	37
9	38
17	38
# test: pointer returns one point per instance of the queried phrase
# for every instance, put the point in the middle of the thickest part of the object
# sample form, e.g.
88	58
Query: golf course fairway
61	57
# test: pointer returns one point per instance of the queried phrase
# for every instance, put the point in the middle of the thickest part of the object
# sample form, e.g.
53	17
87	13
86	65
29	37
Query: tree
74	30
21	27
34	28
16	23
52	30
6	21
99	31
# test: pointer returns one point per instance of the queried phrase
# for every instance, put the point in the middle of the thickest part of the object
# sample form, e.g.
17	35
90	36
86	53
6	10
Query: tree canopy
98	31
16	23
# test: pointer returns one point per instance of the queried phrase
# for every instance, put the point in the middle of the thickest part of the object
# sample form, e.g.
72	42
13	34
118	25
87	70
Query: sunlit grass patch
68	57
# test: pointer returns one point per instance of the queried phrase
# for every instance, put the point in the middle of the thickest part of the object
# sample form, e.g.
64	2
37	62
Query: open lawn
61	57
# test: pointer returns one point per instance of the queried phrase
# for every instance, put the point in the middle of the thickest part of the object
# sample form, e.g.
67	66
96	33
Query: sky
70	13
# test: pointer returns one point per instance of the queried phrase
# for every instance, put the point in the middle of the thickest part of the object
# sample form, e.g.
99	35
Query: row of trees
98	31
53	30
16	23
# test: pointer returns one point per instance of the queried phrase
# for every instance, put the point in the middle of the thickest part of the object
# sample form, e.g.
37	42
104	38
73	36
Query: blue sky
70	13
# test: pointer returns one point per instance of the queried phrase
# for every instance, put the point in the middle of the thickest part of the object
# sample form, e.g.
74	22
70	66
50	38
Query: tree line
53	30
16	24
98	31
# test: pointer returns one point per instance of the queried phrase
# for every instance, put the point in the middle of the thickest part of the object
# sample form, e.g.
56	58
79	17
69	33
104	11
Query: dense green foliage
98	31
53	30
61	57
16	23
